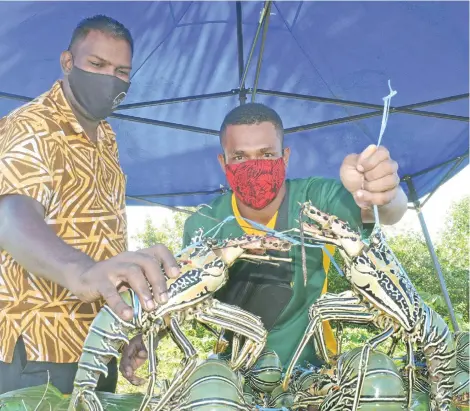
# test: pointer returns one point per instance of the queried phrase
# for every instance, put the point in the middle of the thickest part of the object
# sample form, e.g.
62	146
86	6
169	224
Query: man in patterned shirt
62	216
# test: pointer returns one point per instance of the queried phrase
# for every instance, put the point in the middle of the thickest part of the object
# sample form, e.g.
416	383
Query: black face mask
98	94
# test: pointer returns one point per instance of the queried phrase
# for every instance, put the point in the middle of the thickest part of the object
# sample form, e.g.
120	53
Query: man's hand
126	270
133	357
35	246
371	177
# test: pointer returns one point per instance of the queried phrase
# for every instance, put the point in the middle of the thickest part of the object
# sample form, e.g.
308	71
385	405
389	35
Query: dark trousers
21	373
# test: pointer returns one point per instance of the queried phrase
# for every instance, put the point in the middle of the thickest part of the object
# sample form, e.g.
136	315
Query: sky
434	210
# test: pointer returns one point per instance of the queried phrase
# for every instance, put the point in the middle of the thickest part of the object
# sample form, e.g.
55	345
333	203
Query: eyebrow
106	61
266	149
262	150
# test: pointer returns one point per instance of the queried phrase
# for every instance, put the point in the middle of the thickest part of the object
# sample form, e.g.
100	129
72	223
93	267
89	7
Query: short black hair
103	24
252	113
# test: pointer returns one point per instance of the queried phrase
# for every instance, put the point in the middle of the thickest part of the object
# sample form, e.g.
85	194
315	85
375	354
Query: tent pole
267	13
175	100
442	283
444	179
152	204
408	109
356	117
242	91
253	45
444	163
166	124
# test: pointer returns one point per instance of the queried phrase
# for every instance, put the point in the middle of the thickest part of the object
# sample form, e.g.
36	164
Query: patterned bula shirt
45	154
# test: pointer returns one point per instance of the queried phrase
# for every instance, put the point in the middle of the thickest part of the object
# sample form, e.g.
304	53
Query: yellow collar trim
245	225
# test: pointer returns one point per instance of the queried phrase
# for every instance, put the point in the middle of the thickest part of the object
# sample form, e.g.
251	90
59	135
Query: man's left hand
133	357
371	177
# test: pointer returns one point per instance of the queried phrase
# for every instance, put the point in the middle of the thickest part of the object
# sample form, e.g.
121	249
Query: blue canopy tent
323	66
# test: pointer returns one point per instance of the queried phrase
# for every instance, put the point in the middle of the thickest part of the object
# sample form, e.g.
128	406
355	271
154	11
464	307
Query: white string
386	111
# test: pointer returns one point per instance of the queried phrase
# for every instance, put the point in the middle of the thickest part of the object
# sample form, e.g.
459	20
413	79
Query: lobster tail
107	334
439	351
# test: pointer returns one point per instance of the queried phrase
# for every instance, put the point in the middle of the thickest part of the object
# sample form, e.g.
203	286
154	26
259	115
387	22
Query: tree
170	233
452	251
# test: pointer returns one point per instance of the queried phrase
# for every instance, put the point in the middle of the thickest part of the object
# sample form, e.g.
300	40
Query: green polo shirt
328	195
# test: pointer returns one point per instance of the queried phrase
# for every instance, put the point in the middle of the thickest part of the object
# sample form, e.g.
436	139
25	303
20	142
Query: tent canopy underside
325	69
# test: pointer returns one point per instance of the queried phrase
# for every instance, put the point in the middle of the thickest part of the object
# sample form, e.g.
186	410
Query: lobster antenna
43	395
386	112
303	252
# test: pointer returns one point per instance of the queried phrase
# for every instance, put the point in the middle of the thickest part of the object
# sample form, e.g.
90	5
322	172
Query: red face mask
256	183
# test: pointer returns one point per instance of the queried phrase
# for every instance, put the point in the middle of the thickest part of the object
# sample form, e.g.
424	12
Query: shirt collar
56	94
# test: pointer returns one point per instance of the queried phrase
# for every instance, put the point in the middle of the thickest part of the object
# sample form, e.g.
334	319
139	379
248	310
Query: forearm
31	242
390	213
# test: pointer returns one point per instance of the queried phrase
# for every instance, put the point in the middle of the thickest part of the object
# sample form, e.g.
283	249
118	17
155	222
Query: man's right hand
126	270
30	241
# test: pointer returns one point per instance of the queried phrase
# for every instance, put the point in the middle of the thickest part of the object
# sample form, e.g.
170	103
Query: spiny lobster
213	385
204	270
381	294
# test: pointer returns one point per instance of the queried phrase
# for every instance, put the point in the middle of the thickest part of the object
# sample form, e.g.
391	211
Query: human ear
221	158
286	155
66	62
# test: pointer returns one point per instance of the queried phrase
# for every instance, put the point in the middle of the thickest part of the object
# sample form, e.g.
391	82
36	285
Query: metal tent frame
243	92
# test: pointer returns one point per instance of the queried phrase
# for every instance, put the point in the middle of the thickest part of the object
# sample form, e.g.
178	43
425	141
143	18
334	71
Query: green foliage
410	249
170	233
452	252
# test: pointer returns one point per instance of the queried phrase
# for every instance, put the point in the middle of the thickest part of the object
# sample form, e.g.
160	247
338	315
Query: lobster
263	385
213	385
382	387
381	294
204	270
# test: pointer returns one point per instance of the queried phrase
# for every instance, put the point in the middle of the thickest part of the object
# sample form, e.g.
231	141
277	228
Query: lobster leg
393	346
344	307
339	334
251	349
152	371
189	364
303	400
239	316
235	348
364	361
235	313
240	322
410	367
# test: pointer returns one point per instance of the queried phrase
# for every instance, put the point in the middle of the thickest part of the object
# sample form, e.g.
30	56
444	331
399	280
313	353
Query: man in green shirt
254	160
